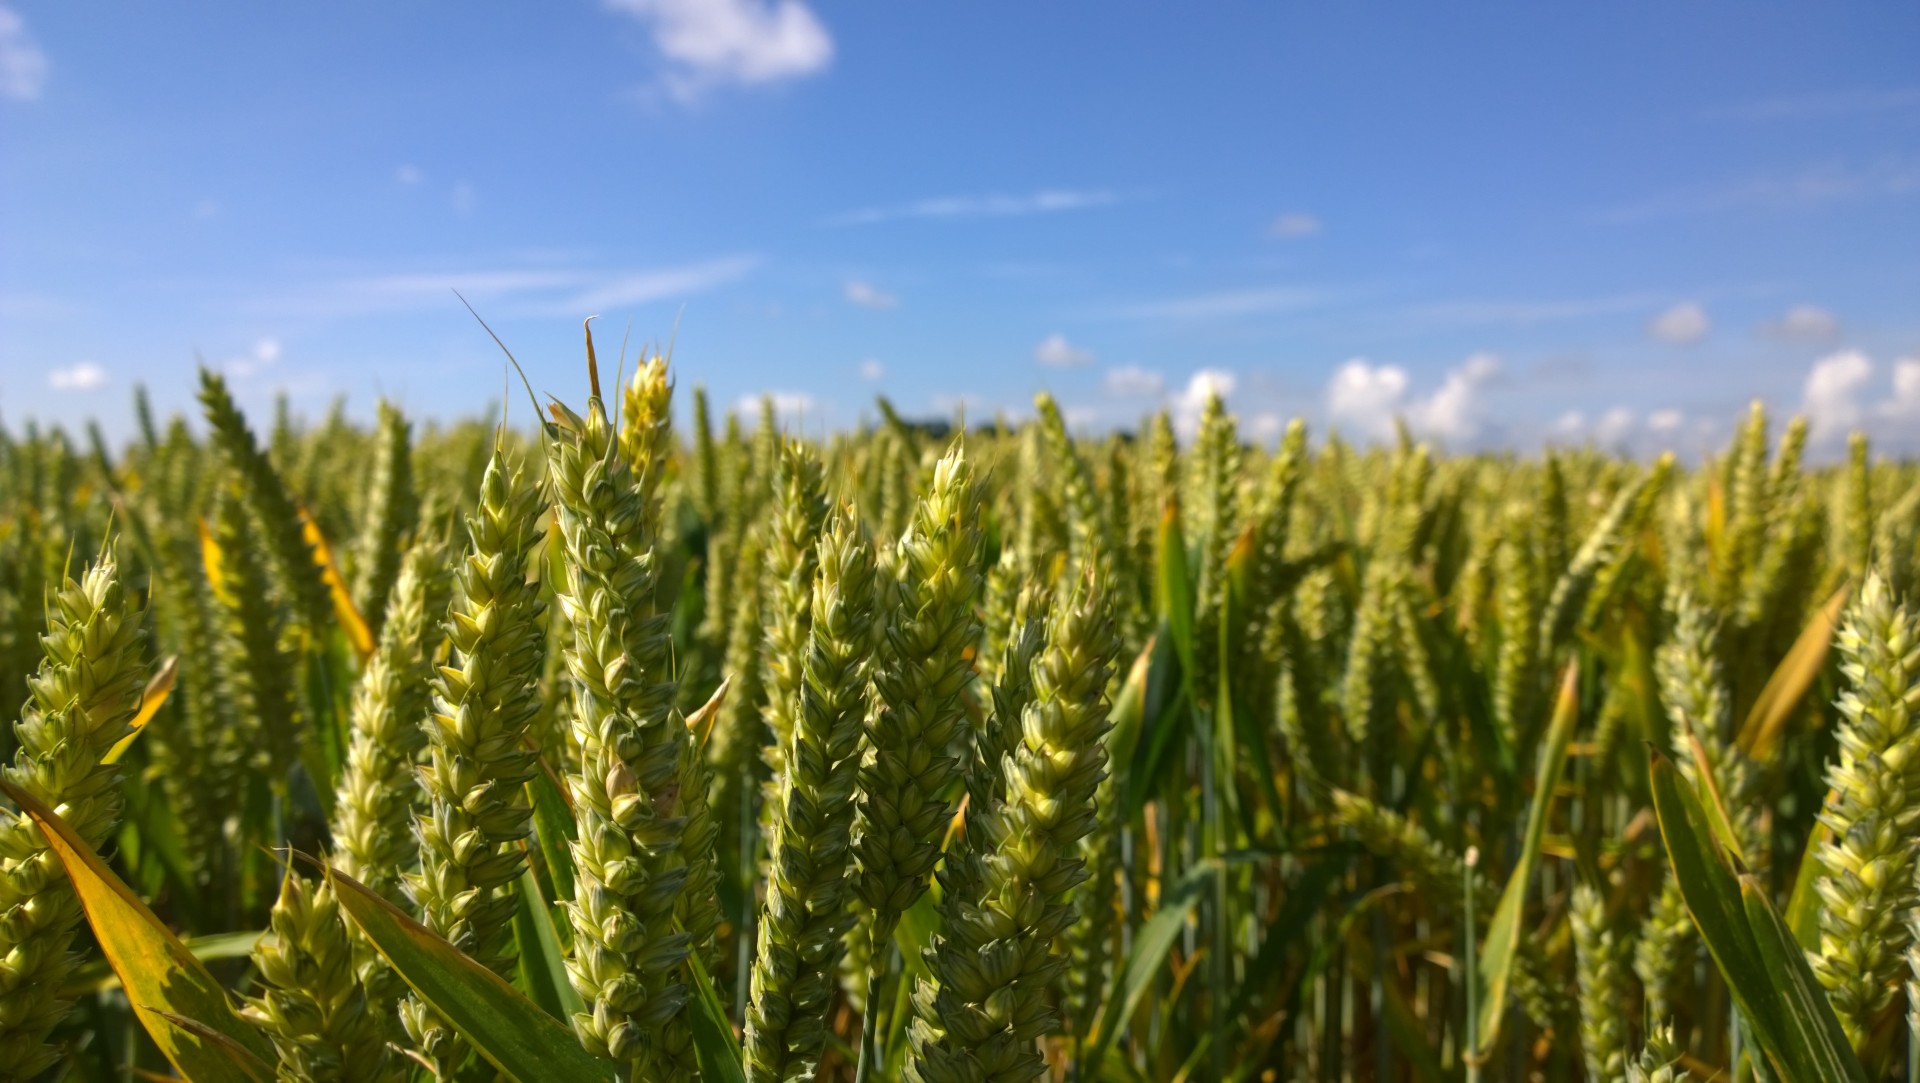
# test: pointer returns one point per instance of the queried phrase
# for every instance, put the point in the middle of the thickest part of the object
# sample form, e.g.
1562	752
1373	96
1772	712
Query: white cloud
1905	404
1366	398
1135	382
1615	426
464	199
790	408
1831	397
23	66
872	369
1293	225
80	376
1682	325
1056	351
1570	425
207	209
264	355
717	43
1665	421
1192	399
409	176
1804	322
1455	412
867	295
1046	201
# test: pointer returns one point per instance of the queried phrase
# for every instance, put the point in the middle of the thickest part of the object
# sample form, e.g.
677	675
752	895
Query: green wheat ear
313	1007
82	702
1867	883
922	673
1007	885
627	960
474	824
806	911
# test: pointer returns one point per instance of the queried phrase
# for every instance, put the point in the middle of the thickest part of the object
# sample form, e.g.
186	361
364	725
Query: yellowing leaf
355	625
151	700
162	979
216	566
1760	733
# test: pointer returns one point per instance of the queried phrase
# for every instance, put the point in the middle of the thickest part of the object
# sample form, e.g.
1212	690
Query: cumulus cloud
1665	421
1055	351
1806	322
1132	381
79	376
718	43
1682	325
1831	398
23	66
867	295
1366	398
1615	426
409	176
1905	404
1294	225
1192	400
464	199
1455	412
872	369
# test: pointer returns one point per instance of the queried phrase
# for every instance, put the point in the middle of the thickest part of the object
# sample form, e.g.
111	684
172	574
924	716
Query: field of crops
611	751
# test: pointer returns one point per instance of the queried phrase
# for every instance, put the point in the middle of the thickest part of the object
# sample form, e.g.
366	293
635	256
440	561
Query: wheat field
616	752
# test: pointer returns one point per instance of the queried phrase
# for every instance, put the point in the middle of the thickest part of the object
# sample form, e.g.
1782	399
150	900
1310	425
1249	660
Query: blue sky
1505	222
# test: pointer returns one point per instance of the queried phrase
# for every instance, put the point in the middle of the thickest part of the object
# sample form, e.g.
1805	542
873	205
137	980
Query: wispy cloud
1522	313
1046	201
79	376
868	295
718	43
536	291
1248	302
647	287
1814	186
23	65
1827	106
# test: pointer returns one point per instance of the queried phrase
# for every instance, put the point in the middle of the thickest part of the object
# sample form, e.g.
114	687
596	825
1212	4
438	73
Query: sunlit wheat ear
1873	810
1659	1062
1604	987
475	815
627	956
82	701
311	1004
1007	886
806	913
373	827
921	675
272	503
393	509
799	509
